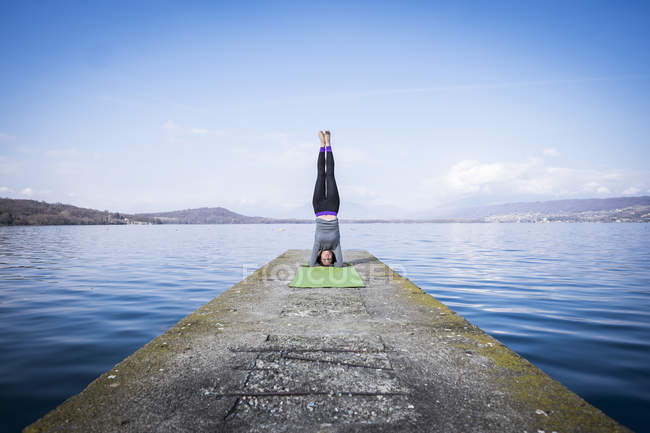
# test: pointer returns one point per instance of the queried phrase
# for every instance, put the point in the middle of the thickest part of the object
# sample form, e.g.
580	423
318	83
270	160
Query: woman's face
326	258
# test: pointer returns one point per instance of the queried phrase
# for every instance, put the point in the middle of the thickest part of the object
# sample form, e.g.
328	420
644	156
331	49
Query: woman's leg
332	201
319	189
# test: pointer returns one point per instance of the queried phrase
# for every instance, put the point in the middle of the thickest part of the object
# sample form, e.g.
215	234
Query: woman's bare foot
327	138
321	135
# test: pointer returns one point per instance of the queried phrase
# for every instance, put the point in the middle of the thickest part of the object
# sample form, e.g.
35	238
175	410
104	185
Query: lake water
574	299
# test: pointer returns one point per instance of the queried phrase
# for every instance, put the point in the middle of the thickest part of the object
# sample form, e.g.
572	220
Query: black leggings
326	201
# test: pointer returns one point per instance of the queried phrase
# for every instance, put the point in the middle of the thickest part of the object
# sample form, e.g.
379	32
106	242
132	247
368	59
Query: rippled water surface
574	299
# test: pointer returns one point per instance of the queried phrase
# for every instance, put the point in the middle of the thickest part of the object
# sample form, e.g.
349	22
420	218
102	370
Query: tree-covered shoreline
17	212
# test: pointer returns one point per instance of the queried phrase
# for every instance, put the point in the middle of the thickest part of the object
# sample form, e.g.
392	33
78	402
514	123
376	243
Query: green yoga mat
326	276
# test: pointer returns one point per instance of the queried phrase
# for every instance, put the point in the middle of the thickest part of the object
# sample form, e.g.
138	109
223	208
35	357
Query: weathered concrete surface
267	357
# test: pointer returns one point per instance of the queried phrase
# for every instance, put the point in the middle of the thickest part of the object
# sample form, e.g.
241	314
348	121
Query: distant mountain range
619	209
557	208
213	215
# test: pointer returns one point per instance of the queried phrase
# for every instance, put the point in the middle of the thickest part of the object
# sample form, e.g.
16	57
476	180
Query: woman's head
326	258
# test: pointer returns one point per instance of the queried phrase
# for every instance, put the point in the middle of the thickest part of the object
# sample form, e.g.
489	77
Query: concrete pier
263	356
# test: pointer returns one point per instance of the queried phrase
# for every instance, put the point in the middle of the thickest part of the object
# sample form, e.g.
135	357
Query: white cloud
596	187
247	201
4	189
170	124
631	191
532	178
27	191
472	176
198	131
202	131
551	151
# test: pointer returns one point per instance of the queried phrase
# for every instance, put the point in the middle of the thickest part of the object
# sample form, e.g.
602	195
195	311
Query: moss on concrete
558	408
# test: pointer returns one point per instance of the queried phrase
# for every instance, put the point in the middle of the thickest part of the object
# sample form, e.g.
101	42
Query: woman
327	240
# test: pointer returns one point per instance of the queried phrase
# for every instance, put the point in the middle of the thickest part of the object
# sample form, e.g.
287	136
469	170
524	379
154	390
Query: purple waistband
325	212
322	149
328	148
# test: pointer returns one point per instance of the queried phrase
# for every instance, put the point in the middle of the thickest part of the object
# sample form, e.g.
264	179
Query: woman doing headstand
327	240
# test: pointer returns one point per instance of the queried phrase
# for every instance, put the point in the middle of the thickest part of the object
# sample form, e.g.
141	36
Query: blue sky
153	106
